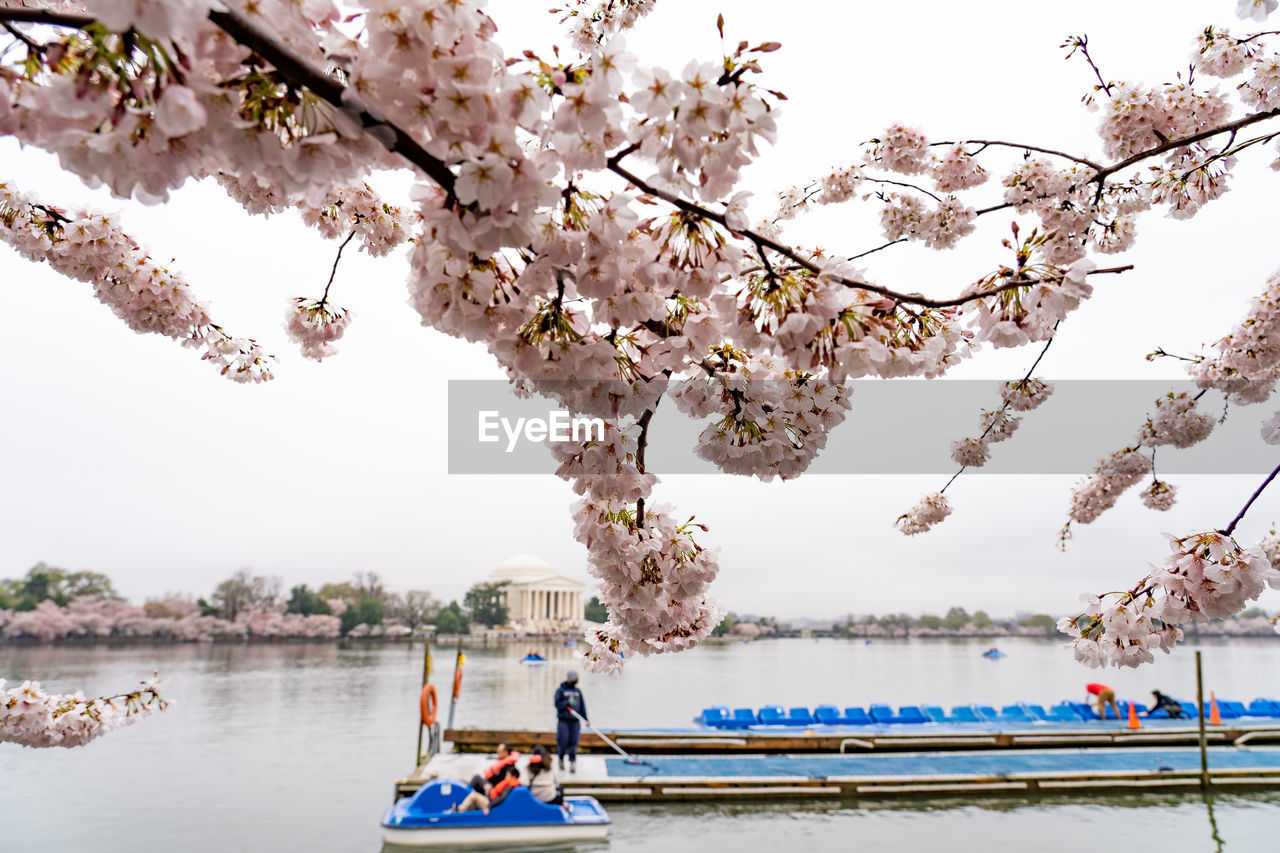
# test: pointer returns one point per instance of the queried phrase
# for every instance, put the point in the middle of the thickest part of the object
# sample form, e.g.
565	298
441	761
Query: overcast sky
126	454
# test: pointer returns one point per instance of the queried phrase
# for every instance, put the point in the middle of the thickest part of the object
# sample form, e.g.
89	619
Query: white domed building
538	600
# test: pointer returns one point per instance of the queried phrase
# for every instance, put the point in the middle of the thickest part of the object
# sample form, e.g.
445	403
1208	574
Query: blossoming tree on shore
582	217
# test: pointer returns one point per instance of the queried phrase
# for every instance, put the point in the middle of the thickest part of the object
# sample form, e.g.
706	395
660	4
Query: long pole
1204	753
457	681
426	676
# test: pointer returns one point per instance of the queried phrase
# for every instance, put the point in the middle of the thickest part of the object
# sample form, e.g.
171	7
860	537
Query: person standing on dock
1105	696
568	728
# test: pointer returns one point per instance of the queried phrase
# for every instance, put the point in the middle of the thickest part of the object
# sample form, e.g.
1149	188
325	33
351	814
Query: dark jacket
1172	706
569	696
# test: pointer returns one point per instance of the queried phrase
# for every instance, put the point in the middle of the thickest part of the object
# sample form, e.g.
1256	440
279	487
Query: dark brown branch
1182	142
1084	161
1240	515
641	444
334	271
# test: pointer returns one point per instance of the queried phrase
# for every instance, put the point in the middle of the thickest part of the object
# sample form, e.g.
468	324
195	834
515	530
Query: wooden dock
898	738
913	774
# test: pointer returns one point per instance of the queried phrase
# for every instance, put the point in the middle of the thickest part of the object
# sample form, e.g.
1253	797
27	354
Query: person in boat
509	781
568	728
543	784
483	783
1171	706
1105	697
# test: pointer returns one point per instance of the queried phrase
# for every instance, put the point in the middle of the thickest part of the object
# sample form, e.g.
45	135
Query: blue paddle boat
533	658
993	652
429	819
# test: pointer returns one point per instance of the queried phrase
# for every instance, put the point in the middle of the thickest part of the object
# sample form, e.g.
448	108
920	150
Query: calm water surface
295	747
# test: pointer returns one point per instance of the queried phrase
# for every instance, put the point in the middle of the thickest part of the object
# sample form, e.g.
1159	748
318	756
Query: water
294	747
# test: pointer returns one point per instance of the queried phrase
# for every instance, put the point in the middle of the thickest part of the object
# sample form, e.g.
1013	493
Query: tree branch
1084	161
1240	515
292	68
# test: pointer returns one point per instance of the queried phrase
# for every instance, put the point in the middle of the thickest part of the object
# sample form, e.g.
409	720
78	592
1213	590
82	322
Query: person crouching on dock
1105	697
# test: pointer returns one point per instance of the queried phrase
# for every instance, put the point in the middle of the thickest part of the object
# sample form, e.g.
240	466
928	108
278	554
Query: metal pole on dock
457	682
1204	754
426	676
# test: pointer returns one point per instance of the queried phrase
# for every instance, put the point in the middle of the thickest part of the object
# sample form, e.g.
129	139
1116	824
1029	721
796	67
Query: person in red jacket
1105	696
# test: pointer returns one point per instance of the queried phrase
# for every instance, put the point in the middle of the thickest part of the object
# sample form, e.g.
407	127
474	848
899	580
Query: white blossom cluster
594	22
380	226
1176	422
91	247
939	227
652	576
1011	318
1111	478
314	326
1247	363
31	717
1205	576
931	510
767	422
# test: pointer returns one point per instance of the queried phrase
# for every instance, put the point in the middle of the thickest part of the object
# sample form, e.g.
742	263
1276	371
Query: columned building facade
539	600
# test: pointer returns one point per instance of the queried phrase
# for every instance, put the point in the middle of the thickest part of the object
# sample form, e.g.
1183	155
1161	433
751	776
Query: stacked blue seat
799	717
1191	710
827	715
1063	712
1036	712
743	718
935	714
1015	714
1264	708
907	714
856	717
985	713
717	716
772	715
1229	710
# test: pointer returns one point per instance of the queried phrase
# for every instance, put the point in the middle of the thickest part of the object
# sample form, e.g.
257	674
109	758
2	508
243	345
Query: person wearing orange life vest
1105	697
506	783
483	783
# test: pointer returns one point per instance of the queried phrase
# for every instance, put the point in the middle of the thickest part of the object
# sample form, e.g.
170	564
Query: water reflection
284	747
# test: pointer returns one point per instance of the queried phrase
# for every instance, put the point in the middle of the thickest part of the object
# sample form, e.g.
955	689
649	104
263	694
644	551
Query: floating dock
919	774
879	738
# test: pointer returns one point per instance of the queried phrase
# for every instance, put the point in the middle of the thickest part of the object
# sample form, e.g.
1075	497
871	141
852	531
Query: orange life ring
428	703
457	682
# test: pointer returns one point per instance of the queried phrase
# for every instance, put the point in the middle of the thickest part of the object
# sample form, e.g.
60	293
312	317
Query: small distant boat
993	653
533	658
426	819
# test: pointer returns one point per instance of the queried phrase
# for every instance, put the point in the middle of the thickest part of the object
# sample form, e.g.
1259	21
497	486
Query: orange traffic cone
1133	716
1215	718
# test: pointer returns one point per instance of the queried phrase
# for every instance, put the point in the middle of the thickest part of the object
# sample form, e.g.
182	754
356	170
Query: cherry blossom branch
292	68
1081	43
1182	142
1026	377
1084	161
1240	515
642	444
334	271
679	203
